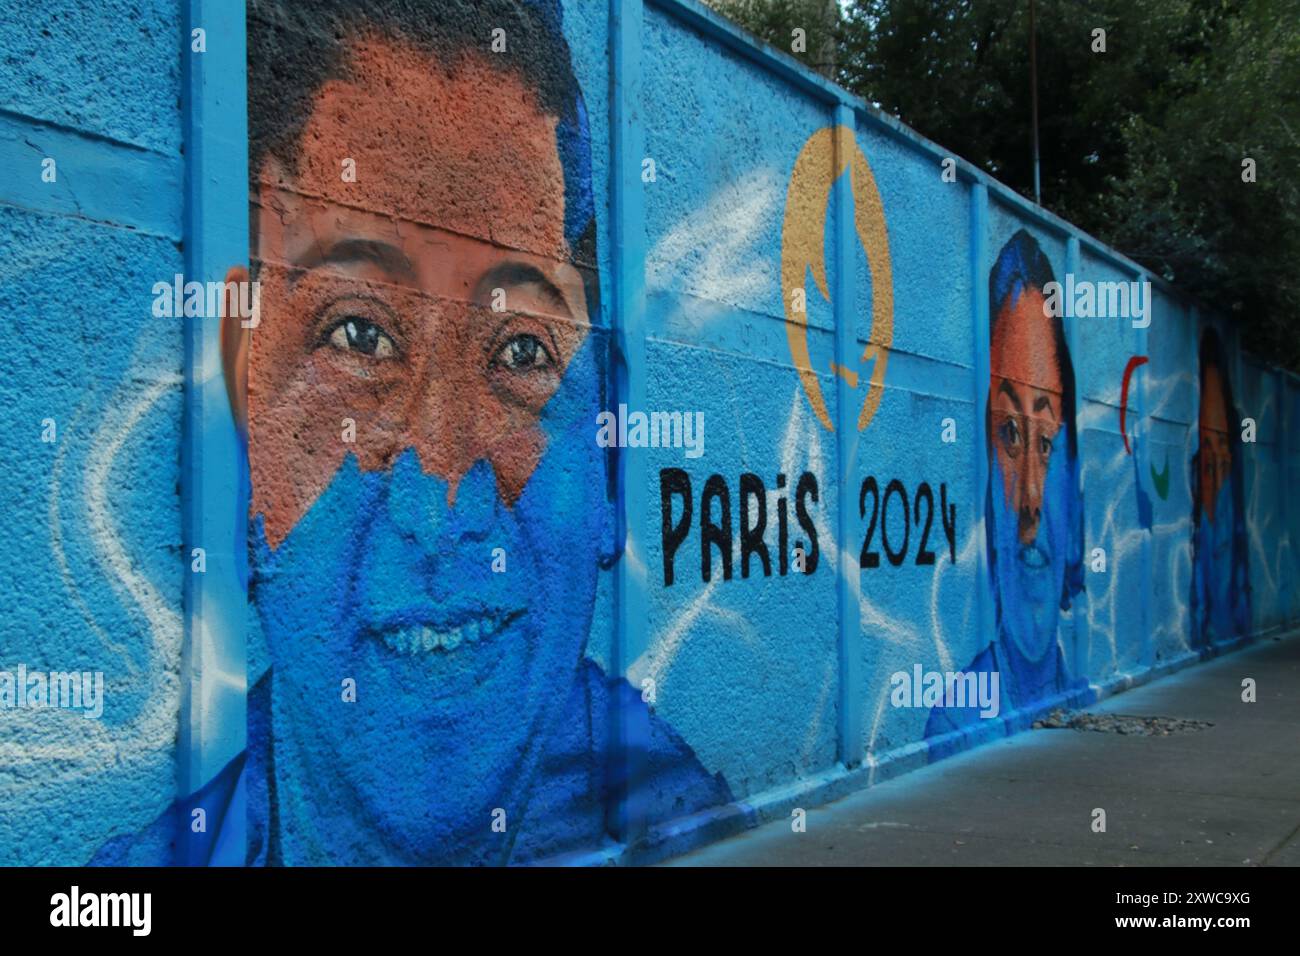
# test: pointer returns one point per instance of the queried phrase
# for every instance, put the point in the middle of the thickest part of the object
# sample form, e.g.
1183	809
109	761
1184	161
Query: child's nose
435	513
442	416
1031	499
474	502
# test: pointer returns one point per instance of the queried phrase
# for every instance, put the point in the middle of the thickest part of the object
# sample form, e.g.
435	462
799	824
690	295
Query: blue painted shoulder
570	799
218	844
673	782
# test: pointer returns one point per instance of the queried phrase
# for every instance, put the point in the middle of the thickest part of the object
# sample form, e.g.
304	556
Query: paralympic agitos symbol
823	159
1160	480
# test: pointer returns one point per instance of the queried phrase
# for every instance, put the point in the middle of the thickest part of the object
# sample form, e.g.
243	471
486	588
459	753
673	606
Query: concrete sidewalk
1223	795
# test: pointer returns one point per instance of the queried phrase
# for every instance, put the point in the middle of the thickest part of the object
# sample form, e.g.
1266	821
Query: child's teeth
416	640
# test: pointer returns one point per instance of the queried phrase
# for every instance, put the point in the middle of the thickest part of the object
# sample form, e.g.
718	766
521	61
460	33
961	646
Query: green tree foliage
1179	204
1140	145
774	22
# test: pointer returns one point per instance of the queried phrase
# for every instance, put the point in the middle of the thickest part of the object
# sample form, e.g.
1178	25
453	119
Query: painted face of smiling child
420	393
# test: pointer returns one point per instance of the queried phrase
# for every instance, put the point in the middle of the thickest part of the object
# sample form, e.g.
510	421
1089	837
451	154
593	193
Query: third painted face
1215	535
1215	456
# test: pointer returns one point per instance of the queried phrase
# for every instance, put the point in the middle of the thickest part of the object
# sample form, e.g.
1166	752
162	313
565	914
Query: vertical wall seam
625	817
1233	342
190	738
848	578
1145	458
215	237
1074	339
1284	525
979	212
1194	363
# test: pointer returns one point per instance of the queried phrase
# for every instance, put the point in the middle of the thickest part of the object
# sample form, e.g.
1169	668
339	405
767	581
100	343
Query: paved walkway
1227	794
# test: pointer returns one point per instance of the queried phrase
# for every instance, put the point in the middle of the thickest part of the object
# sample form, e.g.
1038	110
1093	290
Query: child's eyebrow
515	273
1005	388
377	252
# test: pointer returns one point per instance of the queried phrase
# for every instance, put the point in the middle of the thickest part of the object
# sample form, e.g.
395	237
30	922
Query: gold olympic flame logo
823	159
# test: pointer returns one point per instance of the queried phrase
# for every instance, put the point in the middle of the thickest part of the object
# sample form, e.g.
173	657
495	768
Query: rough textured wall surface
91	572
642	439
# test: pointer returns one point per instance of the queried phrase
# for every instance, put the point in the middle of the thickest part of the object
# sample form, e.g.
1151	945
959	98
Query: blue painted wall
92	568
723	179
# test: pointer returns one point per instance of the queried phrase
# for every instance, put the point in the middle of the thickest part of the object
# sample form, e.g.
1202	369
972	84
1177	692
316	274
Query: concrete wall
91	569
464	629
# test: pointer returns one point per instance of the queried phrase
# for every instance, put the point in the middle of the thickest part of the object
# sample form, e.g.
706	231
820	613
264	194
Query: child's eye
523	353
355	334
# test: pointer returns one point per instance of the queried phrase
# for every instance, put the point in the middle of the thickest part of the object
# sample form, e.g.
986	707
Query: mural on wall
428	505
1159	480
432	517
826	156
1033	506
1220	595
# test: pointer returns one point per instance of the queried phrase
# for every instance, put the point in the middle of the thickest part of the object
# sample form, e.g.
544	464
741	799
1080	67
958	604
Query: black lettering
711	534
895	557
868	558
782	531
948	515
674	481
807	487
751	539
923	555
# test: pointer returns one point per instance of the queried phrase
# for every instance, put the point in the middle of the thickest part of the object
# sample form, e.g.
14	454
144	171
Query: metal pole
1033	83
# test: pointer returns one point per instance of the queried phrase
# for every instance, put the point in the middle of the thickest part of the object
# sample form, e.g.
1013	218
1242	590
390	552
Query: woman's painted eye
1045	446
1011	434
355	334
523	353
